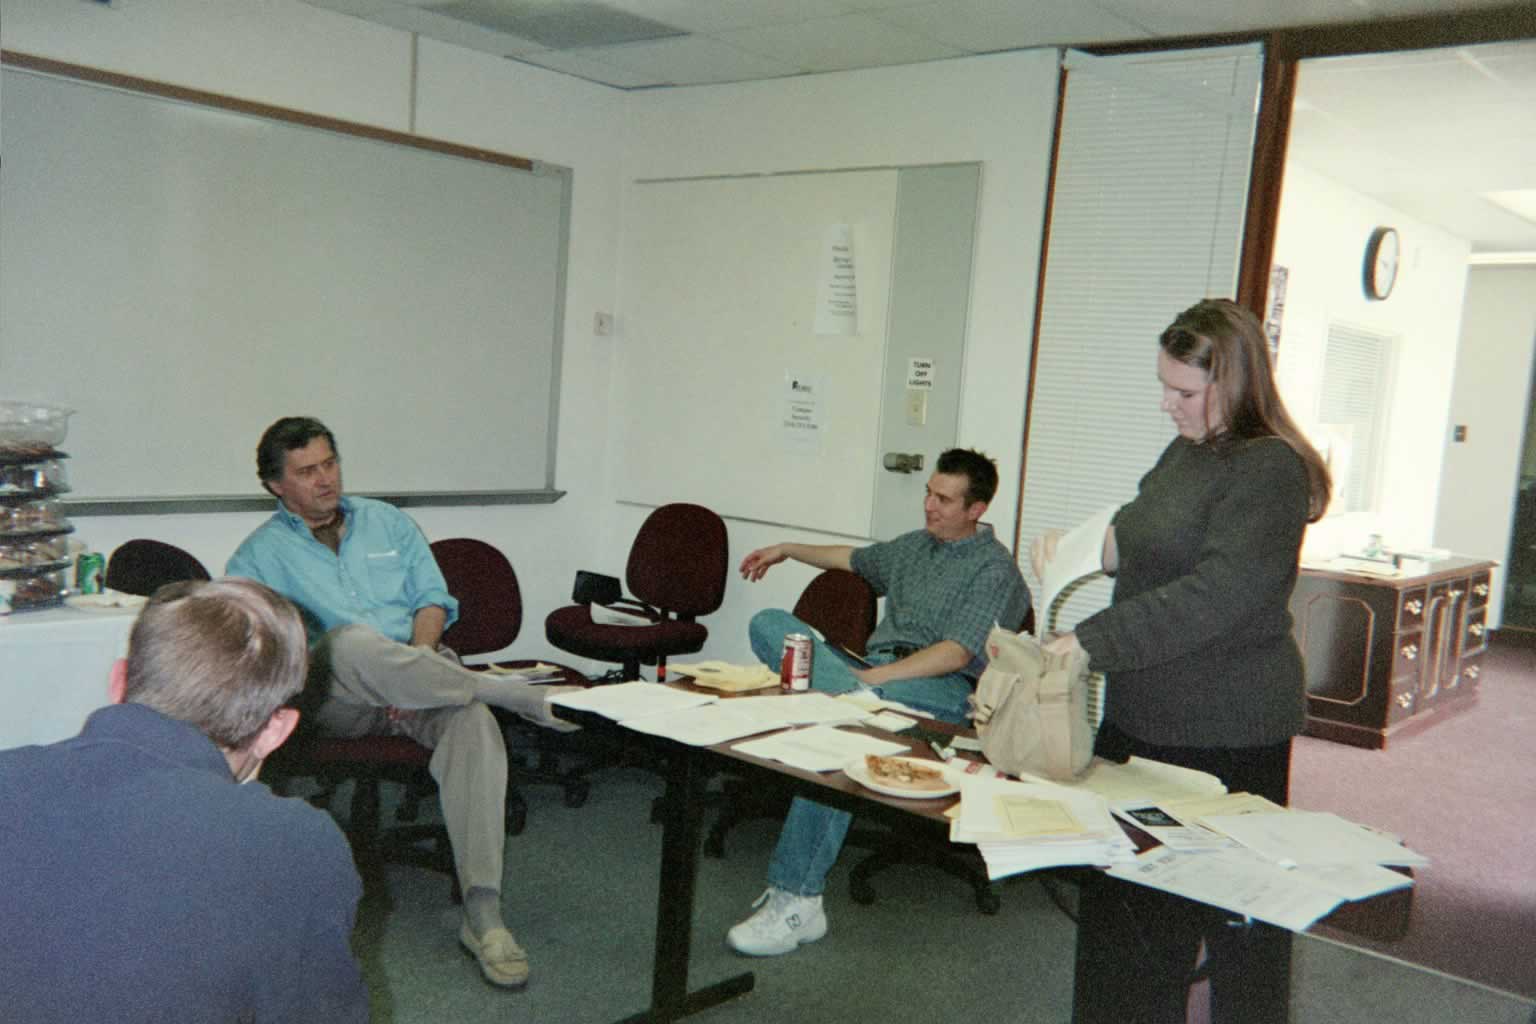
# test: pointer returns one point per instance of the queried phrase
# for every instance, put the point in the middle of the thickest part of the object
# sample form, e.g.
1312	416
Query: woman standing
1202	669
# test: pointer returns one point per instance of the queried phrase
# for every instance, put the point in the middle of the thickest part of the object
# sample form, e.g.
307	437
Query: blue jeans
813	833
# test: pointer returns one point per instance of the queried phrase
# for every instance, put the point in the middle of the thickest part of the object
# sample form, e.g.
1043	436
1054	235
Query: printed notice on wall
837	292
800	416
920	373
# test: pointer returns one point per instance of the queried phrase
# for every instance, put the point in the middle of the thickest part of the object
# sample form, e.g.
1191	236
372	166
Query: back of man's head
978	469
221	655
286	435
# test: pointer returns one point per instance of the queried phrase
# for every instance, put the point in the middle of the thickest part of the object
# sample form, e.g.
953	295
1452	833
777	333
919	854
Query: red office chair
676	570
490	618
143	566
841	606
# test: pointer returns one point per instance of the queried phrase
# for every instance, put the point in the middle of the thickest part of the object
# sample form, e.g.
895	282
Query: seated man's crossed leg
374	686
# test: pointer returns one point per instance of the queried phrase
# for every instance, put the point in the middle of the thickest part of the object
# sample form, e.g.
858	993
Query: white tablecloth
53	670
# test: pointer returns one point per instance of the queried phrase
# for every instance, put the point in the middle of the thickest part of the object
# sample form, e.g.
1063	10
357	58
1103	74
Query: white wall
1490	397
997	110
286	53
1322	235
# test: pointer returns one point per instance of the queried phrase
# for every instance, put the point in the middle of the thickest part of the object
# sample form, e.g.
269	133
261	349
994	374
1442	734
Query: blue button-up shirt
383	574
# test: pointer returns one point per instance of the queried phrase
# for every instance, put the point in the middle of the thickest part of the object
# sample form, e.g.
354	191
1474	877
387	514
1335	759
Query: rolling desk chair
676	570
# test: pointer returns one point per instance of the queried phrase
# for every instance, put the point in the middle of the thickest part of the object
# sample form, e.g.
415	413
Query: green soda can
90	572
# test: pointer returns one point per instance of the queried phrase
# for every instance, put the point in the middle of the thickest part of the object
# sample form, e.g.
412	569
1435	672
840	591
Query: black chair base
966	865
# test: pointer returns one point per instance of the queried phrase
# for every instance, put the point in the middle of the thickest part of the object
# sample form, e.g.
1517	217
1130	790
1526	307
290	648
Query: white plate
856	771
109	601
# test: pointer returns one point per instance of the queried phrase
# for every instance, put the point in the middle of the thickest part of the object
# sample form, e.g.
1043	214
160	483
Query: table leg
670	998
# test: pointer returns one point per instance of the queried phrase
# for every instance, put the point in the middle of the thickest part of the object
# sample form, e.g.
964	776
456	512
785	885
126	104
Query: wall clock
1382	253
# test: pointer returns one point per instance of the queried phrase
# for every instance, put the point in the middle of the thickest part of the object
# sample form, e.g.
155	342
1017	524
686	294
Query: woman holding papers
1202	669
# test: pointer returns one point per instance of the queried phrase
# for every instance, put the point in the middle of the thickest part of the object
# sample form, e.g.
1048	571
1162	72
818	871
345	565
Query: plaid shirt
943	590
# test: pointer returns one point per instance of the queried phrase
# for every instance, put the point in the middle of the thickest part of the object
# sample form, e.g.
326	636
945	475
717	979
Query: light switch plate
917	407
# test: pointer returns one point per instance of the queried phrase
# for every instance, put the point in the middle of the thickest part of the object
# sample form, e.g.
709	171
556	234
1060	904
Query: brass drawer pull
1470	672
1477	629
1410	651
1414	607
1481	590
1405	700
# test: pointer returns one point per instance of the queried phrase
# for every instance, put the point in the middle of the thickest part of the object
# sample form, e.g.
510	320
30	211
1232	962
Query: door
930	300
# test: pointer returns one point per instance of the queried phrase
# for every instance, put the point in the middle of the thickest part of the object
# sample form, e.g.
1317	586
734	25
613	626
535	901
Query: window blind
1146	219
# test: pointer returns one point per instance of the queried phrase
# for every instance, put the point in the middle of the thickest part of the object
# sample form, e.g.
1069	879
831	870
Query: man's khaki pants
364	673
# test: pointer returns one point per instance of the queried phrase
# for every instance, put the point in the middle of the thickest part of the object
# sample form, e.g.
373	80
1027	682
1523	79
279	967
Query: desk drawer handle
1457	593
1470	672
1414	607
1405	700
1410	651
1476	629
1481	590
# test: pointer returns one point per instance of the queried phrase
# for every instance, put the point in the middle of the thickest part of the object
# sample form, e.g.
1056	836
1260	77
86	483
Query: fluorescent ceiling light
1502	259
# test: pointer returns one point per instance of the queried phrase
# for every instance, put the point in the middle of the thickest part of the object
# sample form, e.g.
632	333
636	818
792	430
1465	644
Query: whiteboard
182	275
720	300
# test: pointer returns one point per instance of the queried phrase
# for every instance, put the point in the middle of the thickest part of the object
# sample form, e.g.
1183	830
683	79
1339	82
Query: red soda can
795	662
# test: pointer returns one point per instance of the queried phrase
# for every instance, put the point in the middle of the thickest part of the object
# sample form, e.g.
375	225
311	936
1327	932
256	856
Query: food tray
30	426
31	589
32	516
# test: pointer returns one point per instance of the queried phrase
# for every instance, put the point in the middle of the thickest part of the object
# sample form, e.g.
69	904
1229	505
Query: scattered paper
622	701
818	748
705	725
1313	838
1234	880
1079	553
605	615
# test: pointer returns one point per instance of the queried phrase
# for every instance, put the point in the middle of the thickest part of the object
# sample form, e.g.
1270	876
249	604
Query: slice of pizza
904	773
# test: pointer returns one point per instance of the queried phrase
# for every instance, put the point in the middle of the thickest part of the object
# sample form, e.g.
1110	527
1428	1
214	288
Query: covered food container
31	429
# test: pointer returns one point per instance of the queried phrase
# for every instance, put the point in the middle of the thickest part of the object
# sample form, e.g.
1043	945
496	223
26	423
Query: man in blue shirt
143	883
944	587
376	605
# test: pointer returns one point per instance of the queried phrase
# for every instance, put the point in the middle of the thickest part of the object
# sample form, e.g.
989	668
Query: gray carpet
582	886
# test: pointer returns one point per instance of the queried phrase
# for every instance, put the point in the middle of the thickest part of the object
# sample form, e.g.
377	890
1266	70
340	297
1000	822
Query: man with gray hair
143	882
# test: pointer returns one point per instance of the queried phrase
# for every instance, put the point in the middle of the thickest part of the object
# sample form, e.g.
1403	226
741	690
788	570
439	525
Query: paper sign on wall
920	373
800	417
837	292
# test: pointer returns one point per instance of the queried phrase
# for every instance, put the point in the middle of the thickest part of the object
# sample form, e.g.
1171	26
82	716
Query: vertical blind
1146	219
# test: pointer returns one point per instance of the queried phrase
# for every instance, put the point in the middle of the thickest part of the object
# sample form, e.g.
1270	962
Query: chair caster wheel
988	902
517	820
576	794
862	893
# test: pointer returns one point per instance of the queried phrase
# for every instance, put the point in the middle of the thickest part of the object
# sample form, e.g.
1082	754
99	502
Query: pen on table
945	753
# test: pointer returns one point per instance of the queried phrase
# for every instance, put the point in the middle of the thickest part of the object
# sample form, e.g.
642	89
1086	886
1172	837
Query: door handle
901	462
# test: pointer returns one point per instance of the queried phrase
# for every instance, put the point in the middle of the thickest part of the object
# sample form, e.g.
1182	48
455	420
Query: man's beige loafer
502	960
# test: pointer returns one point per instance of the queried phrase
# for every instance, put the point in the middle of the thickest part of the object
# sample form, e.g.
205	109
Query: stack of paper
702	719
1026	826
538	672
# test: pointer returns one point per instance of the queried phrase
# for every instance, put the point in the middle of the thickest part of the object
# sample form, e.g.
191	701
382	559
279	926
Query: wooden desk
53	670
1389	654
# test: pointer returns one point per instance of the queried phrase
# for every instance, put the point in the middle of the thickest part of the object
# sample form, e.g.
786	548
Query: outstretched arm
820	556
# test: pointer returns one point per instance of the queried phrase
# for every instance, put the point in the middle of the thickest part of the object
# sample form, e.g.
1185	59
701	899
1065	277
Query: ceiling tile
988	25
715	16
584	66
835	44
692	60
429	23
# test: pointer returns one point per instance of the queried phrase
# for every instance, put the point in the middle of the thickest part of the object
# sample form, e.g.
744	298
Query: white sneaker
782	923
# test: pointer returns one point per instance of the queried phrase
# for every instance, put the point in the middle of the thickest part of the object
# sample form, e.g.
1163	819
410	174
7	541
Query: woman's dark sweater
1197	642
